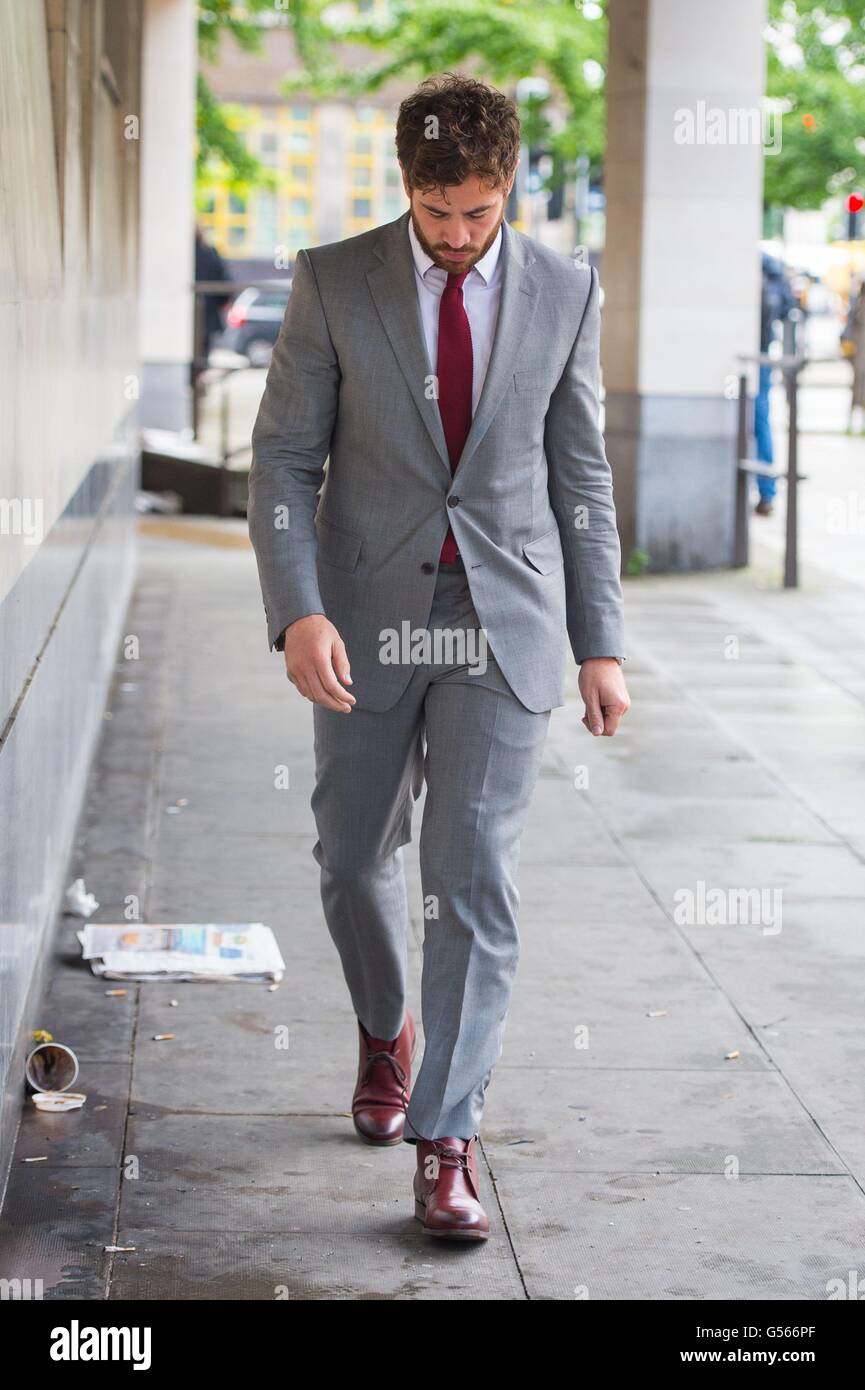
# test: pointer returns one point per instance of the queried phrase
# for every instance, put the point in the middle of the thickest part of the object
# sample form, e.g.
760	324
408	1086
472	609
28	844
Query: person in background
209	265
854	334
777	300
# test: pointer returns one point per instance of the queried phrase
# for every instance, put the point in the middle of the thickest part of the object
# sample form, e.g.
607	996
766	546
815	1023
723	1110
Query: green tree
564	41
816	68
219	146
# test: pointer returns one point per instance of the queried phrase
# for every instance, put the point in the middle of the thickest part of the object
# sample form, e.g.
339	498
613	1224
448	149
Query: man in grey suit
422	585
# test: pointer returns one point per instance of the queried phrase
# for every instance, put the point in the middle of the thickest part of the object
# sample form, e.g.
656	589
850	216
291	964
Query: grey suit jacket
530	503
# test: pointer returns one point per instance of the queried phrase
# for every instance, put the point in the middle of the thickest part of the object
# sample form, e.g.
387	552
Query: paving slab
661	773
822	1064
403	1266
54	1226
637	1120
781	977
229	1061
556	893
696	819
564	828
78	1012
810	872
91	1137
289	1174
587	1025
656	1238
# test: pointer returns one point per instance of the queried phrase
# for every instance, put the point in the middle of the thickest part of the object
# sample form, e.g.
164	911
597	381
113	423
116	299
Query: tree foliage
219	144
815	69
501	41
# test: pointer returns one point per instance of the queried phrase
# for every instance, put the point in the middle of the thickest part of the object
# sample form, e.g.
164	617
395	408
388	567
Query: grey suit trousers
478	748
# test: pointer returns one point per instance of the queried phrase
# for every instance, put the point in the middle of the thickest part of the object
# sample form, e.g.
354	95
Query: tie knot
455	279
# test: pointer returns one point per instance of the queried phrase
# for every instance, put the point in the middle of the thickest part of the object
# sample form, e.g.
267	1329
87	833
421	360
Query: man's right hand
316	662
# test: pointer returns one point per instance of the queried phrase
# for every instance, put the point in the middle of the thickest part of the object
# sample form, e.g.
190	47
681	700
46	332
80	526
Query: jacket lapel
392	286
394	291
517	304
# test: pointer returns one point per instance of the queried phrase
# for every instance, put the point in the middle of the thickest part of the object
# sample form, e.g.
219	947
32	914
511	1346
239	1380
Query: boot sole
378	1143
420	1215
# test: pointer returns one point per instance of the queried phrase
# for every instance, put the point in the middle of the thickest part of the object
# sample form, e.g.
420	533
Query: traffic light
855	204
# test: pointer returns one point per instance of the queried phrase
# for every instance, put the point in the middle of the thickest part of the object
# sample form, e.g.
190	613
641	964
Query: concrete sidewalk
628	1153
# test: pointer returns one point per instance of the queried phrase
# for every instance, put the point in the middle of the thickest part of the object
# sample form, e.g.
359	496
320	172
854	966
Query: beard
438	257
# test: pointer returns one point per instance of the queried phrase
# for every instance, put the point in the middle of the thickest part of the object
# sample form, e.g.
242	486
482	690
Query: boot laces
454	1158
375	1059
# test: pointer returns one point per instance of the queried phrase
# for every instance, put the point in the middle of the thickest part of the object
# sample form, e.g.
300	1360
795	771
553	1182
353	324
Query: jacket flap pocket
337	547
545	553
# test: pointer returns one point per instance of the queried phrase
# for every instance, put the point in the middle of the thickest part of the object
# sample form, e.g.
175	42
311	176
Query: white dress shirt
482	289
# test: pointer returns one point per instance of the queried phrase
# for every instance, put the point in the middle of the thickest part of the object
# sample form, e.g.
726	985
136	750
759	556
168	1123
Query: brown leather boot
447	1191
383	1079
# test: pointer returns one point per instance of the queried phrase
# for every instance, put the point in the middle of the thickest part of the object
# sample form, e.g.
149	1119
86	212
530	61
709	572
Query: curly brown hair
476	132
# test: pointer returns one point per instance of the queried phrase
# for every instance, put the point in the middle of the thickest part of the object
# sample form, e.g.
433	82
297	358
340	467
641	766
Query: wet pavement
677	1112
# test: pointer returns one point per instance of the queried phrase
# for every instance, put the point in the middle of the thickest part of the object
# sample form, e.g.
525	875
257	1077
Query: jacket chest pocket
337	547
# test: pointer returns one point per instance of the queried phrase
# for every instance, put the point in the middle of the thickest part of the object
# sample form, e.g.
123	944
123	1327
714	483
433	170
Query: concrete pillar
331	170
170	64
681	269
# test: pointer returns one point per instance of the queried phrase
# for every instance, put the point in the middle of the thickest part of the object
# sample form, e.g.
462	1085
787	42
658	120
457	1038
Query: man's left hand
605	695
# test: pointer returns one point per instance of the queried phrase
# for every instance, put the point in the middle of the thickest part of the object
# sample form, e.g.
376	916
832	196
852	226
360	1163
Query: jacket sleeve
581	495
290	443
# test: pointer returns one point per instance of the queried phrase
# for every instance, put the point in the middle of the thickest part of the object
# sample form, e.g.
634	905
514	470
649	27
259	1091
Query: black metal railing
790	366
231	288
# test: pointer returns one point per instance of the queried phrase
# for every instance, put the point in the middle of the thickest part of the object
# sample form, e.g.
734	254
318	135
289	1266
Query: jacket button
453	501
428	567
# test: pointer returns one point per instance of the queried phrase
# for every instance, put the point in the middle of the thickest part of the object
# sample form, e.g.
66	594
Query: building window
226	216
268	148
373	179
265	223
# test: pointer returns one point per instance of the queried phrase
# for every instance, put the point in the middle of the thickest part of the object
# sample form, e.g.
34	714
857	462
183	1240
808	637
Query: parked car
253	321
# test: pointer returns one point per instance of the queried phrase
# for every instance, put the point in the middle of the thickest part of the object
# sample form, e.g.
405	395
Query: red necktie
454	371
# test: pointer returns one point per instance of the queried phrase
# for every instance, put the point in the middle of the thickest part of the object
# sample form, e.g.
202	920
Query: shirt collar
485	266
